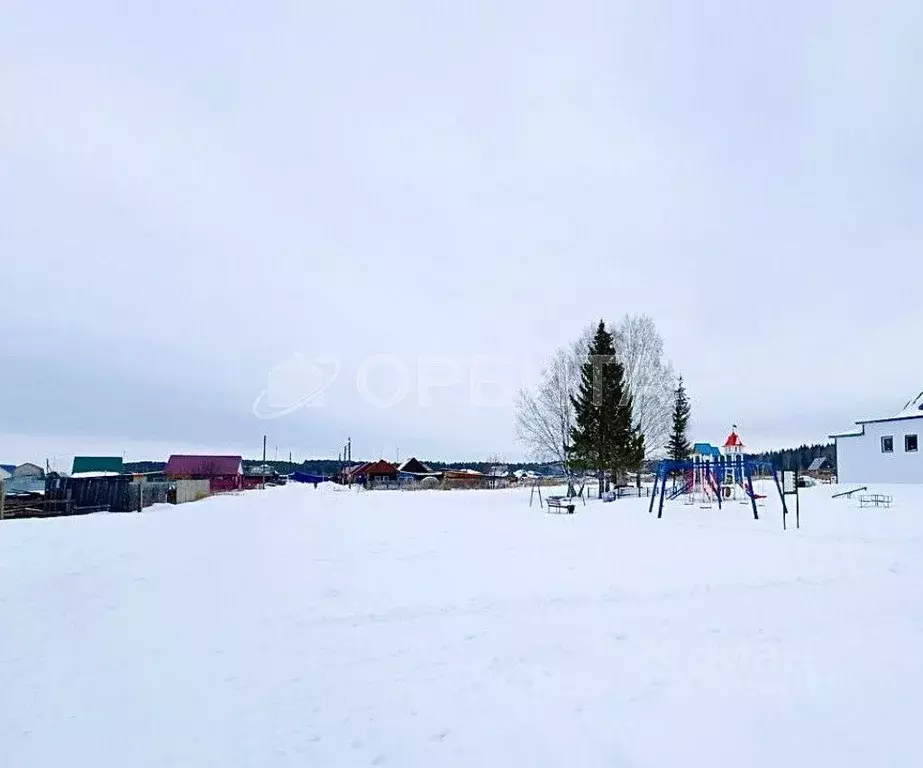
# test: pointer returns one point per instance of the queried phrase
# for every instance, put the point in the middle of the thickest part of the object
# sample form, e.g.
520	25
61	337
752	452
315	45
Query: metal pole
748	474
2	494
775	476
797	502
263	487
663	490
654	490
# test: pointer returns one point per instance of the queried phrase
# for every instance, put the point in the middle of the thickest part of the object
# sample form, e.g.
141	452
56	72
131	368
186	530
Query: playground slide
747	491
684	489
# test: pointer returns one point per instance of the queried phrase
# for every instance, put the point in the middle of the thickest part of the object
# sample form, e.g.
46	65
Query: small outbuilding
414	466
28	470
821	469
258	474
465	478
412	472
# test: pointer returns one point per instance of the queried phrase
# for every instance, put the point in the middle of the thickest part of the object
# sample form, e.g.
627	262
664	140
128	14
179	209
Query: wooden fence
83	495
112	494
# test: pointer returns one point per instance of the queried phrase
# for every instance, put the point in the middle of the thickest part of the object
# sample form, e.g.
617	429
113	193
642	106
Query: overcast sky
195	193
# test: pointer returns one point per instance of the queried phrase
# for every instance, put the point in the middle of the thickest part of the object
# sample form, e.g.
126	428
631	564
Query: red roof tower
733	444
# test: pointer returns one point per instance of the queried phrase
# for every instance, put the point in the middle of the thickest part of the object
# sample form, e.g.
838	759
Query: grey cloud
353	179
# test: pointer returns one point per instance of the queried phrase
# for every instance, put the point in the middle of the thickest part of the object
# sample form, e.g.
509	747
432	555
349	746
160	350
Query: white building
883	450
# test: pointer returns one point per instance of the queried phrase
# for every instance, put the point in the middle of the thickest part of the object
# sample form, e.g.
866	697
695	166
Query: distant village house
224	473
97	466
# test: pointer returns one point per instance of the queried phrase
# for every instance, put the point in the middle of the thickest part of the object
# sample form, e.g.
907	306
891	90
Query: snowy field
302	627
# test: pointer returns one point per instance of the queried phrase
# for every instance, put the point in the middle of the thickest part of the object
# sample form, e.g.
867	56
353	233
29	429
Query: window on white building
910	443
887	444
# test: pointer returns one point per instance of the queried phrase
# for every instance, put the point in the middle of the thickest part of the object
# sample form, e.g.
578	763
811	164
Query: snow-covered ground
303	627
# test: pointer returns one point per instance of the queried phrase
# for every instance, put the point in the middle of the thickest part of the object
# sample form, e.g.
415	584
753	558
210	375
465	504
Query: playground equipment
730	482
875	500
561	504
566	503
713	476
848	494
706	482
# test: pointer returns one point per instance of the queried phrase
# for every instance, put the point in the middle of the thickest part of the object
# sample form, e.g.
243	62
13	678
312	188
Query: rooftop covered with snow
913	409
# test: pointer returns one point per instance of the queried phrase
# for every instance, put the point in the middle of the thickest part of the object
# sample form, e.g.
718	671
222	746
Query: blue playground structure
714	477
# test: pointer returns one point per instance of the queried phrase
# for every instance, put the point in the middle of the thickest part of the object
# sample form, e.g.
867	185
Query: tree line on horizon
332	466
786	458
801	457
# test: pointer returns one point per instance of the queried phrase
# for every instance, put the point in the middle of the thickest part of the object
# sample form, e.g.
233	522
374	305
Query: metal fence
191	490
146	494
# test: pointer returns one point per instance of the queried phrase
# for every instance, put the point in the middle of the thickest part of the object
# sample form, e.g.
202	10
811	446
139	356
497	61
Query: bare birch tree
545	413
651	379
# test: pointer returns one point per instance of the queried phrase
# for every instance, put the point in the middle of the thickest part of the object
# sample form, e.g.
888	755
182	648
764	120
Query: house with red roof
224	473
371	473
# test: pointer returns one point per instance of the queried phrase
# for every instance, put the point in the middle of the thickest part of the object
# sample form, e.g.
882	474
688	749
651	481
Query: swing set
710	481
566	502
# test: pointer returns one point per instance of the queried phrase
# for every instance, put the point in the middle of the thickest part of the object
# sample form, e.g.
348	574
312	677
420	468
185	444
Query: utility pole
264	463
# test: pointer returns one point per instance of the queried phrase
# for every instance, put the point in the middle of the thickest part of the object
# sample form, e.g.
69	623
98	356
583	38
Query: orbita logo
294	384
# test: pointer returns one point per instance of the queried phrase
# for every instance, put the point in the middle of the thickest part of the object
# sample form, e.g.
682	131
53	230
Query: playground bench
875	500
561	503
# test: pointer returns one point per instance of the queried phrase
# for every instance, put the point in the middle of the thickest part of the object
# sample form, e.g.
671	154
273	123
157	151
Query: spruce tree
603	437
678	448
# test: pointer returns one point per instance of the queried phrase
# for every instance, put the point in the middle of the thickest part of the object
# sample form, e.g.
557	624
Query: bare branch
650	379
544	415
